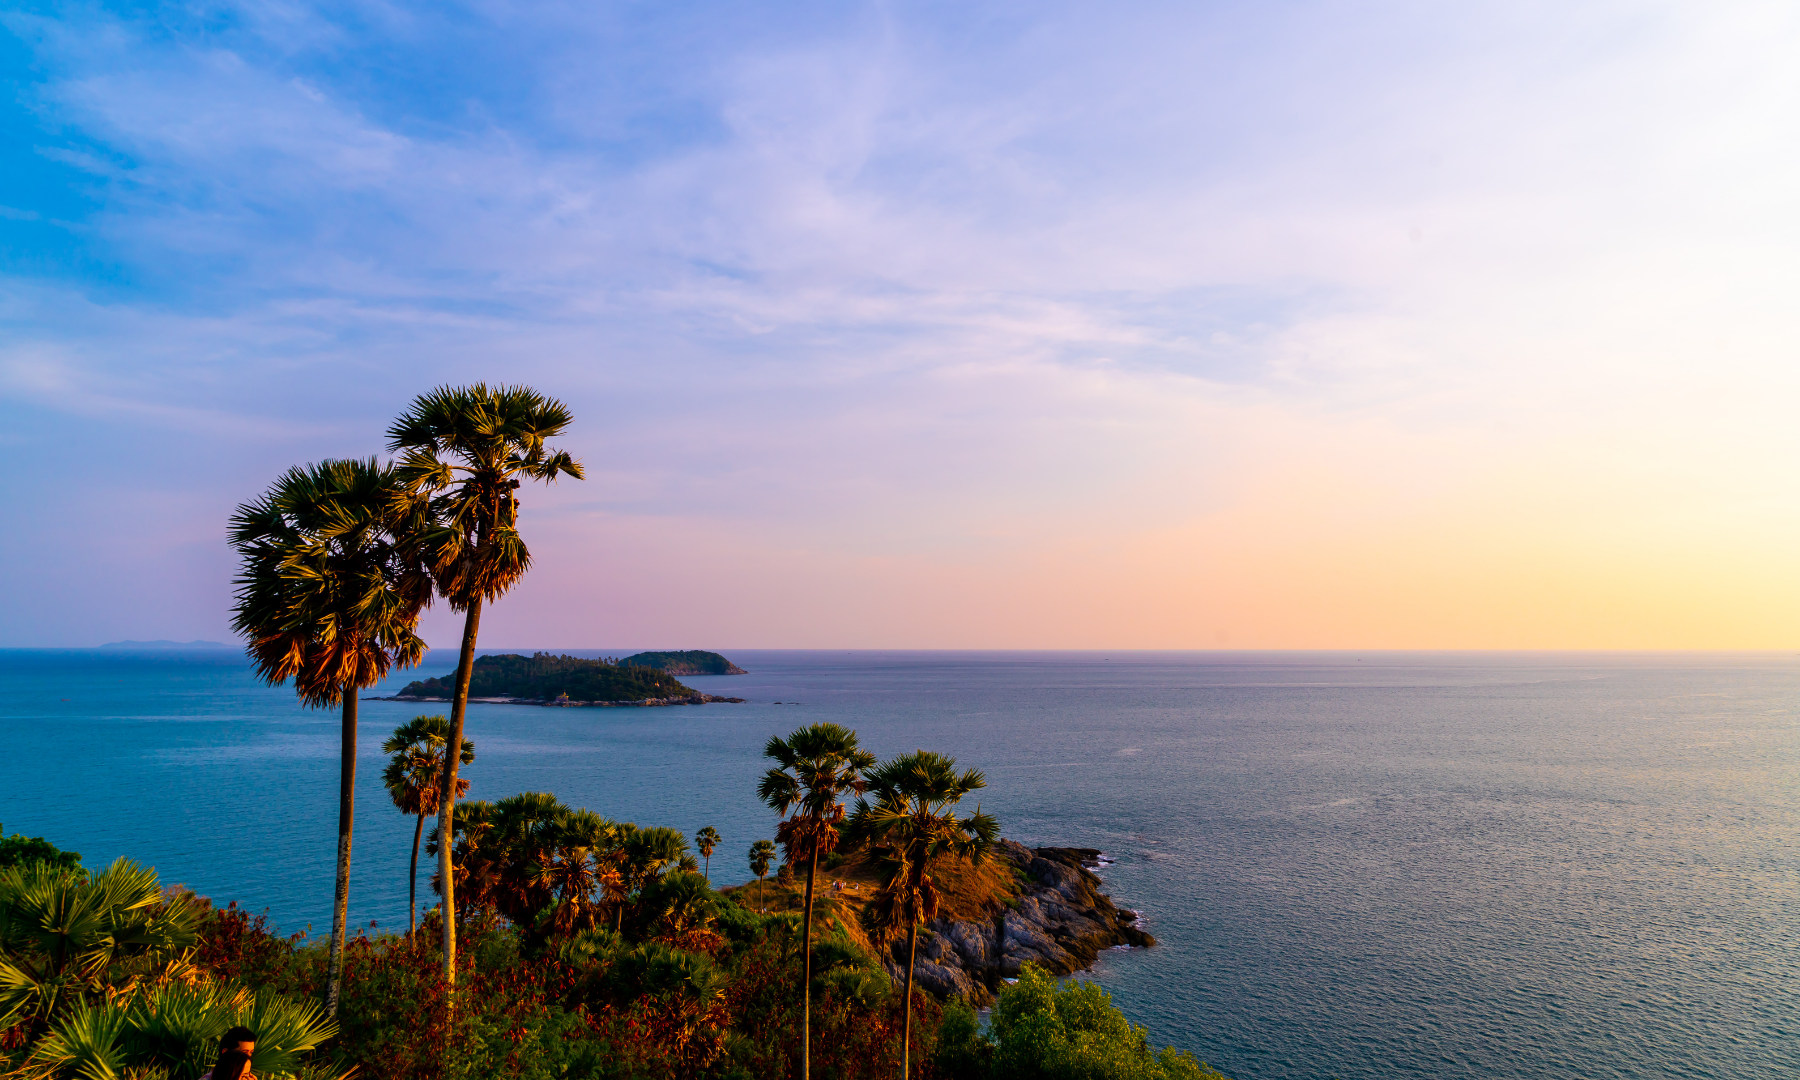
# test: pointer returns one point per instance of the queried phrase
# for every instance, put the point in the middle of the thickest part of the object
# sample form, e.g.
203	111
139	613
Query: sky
931	325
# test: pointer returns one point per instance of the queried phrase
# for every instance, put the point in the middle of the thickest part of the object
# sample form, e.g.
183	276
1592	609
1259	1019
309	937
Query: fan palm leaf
63	932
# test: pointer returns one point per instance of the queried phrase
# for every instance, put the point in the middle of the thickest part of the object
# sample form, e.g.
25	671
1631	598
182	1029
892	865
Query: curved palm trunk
459	704
812	869
912	956
340	911
412	881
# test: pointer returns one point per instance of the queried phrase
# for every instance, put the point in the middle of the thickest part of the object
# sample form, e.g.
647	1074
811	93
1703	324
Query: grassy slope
965	892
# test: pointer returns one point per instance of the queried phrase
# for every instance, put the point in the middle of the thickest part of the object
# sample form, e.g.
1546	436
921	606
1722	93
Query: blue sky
1174	325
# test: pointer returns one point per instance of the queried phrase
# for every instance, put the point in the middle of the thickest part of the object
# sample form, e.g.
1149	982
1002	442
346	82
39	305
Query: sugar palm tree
909	817
581	867
816	767
329	596
466	450
415	769
706	841
762	854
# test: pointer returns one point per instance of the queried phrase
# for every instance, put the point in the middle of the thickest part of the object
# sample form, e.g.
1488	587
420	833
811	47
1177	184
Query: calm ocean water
1359	866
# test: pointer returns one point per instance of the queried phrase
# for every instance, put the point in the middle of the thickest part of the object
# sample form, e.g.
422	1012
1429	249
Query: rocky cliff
1060	920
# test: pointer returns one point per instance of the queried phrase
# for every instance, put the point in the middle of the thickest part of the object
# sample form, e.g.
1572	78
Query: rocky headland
1021	905
1059	920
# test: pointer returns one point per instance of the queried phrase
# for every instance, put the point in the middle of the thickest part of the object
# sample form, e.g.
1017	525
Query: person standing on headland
235	1048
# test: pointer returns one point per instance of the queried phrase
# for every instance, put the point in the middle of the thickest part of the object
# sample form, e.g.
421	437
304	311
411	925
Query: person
232	1065
235	1049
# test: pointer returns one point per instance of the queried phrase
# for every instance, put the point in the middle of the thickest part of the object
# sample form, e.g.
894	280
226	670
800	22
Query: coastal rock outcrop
1060	921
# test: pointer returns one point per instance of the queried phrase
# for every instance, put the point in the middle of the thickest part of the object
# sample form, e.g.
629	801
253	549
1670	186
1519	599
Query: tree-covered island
549	679
685	662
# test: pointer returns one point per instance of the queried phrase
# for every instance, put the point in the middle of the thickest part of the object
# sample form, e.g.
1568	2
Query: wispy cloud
936	287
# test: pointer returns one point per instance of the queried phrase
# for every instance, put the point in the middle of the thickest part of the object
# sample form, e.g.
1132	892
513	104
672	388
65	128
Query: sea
1356	865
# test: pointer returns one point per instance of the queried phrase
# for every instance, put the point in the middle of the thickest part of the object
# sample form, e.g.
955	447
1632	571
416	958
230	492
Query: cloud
917	299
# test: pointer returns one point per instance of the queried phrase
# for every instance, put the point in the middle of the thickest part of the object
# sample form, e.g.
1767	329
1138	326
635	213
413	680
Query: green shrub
1072	1032
18	849
962	1052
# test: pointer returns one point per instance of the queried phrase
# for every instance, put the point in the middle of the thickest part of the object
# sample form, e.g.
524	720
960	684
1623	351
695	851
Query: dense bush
18	850
594	1004
1043	1031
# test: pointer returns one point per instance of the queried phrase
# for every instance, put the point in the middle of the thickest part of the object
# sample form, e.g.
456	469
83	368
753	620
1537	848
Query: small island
550	679
686	662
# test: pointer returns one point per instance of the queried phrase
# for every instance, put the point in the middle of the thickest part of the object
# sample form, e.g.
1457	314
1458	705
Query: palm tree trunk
340	911
459	704
412	881
912	954
812	869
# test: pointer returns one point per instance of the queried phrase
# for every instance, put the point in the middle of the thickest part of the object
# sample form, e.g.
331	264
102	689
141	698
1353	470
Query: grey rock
1062	922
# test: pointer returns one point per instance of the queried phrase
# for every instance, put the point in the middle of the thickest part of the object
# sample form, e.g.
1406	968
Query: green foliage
676	904
102	969
1043	1031
656	970
962	1052
19	849
686	662
841	965
741	924
176	1027
83	1042
546	677
65	933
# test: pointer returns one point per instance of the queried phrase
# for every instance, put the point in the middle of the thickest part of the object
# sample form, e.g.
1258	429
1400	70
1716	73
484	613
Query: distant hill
547	677
688	662
162	644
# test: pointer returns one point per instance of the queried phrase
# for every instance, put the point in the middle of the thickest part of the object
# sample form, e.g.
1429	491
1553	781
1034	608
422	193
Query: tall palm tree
762	854
706	841
815	768
466	450
329	596
415	768
909	817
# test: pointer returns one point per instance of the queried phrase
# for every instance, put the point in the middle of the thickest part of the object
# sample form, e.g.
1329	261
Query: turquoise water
1358	866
